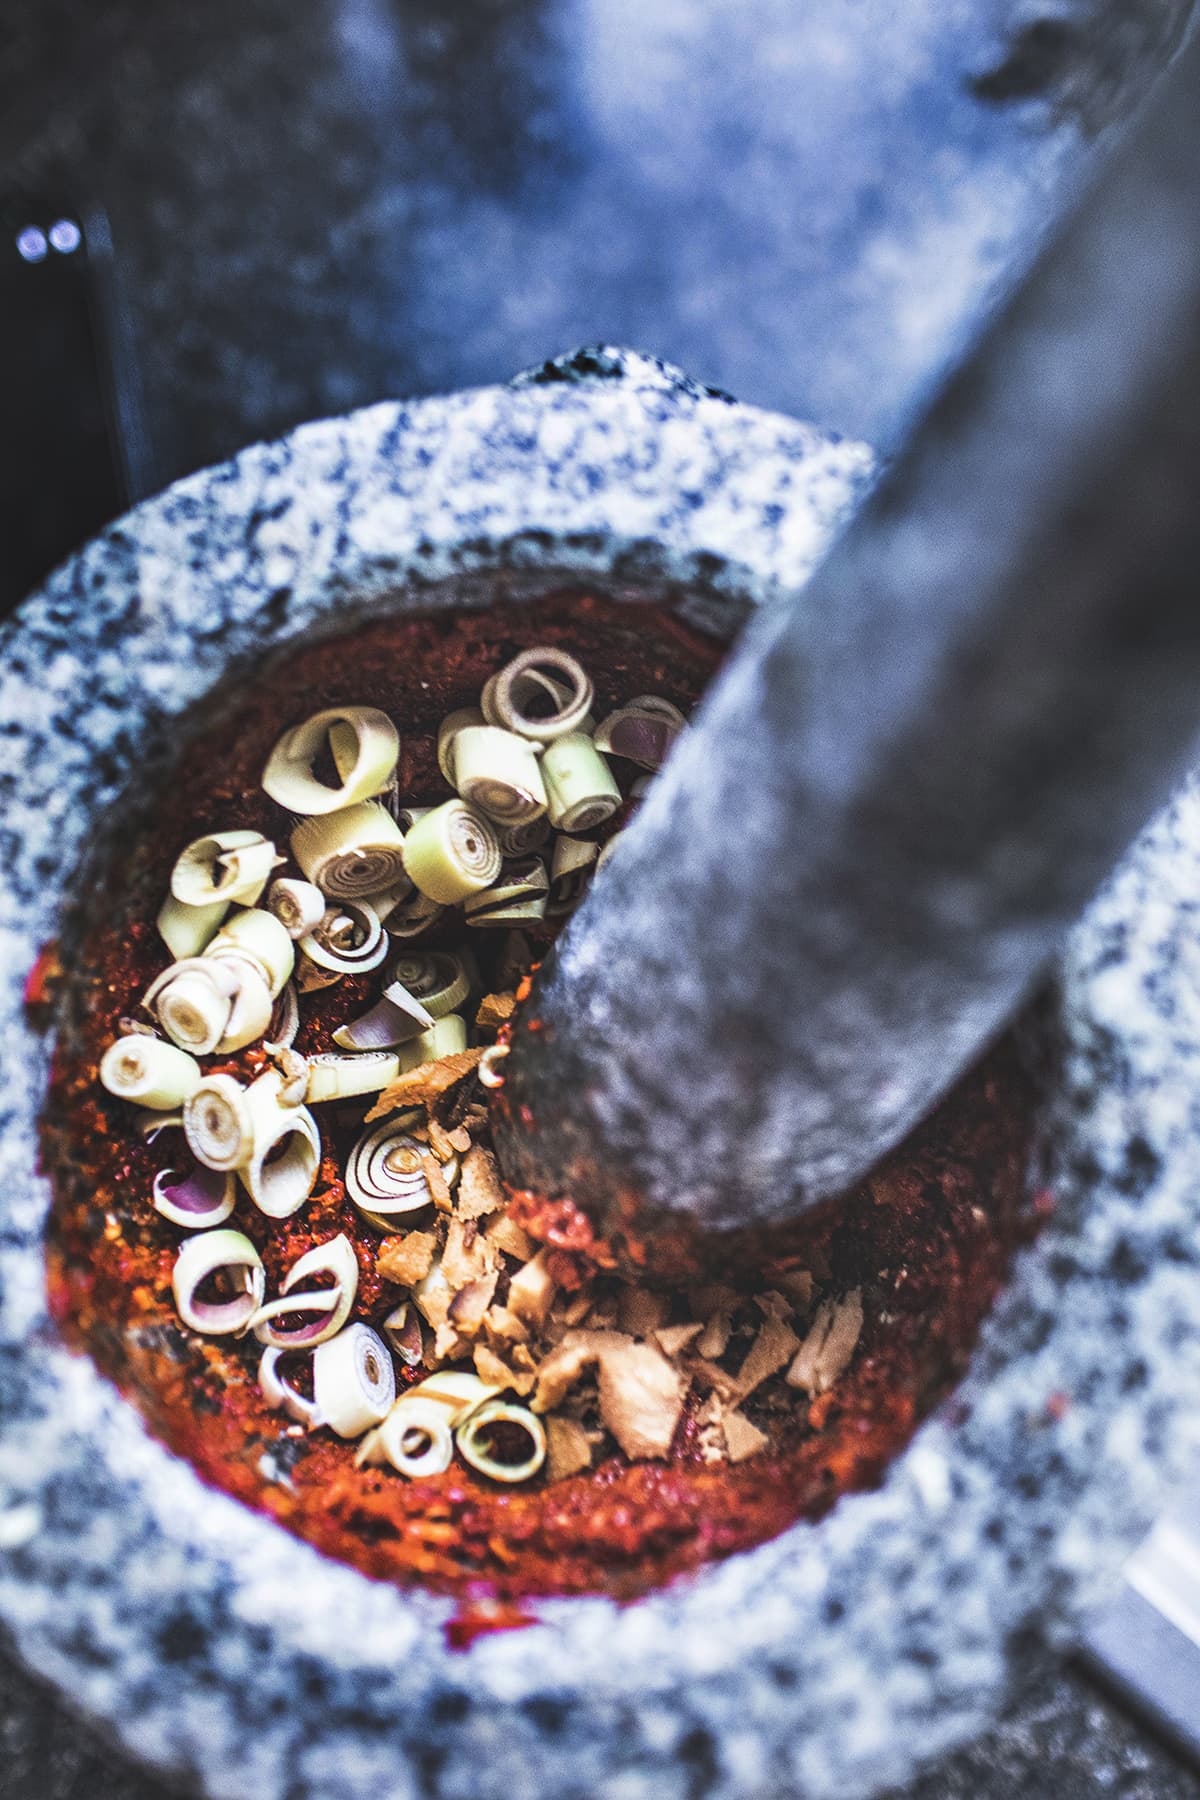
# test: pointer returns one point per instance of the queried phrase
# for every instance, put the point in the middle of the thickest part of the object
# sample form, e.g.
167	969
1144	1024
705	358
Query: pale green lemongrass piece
415	1439
439	979
280	1393
262	938
354	1381
252	1011
479	1437
497	772
445	1037
516	696
333	1077
643	732
519	895
581	791
523	839
192	1001
185	930
407	816
226	865
353	853
285	1156
330	1307
458	1391
570	872
411	913
348	941
364	744
452	852
298	905
607	849
209	1254
384	904
148	1072
218	1124
396	1016
385	1173
459	720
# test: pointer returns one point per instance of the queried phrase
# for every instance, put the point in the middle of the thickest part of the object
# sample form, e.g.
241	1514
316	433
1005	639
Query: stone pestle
905	785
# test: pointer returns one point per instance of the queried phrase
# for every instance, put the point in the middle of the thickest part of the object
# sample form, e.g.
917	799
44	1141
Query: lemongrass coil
349	940
298	905
410	913
526	837
519	897
459	1391
192	1001
436	978
230	866
574	862
396	1016
223	1256
385	1174
262	939
218	1124
460	720
197	1198
504	1442
285	1155
452	852
148	1072
354	1381
497	772
581	791
282	1394
644	731
364	745
353	853
445	1037
324	1310
333	1077
415	1439
542	694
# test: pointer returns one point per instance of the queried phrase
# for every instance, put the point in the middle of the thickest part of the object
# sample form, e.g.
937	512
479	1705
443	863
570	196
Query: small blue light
31	244
65	236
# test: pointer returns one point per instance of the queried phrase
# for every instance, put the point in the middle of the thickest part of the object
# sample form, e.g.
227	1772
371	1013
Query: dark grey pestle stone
826	1663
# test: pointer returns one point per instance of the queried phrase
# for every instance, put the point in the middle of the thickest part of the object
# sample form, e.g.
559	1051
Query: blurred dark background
320	203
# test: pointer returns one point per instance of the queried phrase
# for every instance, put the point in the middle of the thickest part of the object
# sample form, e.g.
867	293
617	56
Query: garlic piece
354	1380
214	1253
298	905
483	1442
364	745
149	1072
452	852
353	853
395	1017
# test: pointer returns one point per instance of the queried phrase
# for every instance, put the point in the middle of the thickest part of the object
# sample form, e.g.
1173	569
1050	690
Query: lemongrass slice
252	1012
385	1174
520	895
412	914
200	1199
445	1037
260	937
351	854
333	1077
227	1254
606	850
218	1124
228	865
403	1329
581	791
523	839
569	873
280	1393
437	978
643	732
148	1072
448	730
407	816
284	1022
354	1380
192	1001
286	1150
459	1391
502	1441
394	1018
451	852
364	745
517	696
490	1070
185	930
348	941
497	772
298	905
415	1439
330	1306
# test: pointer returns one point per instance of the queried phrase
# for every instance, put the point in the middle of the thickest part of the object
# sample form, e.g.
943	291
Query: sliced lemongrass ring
192	1001
298	905
185	930
407	816
227	1255
385	1174
293	1073
384	905
606	850
148	1072
448	731
415	1439
353	853
403	1329
278	1392
569	873
437	978
364	745
333	1077
643	732
523	839
517	696
490	1070
497	772
228	865
413	913
218	1123
286	1155
250	1017
581	791
354	1380
284	1022
330	1307
459	1391
260	937
445	1037
395	1017
452	852
348	941
520	894
201	1199
504	1442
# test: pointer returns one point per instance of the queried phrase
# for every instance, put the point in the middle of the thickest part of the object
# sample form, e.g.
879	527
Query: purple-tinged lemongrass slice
395	1018
329	1307
278	1392
285	1155
385	1174
225	1256
643	732
364	745
198	1199
354	1381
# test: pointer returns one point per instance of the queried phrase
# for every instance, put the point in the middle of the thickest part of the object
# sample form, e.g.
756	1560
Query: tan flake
505	1325
495	1010
431	1168
716	1335
559	1372
459	1140
742	1439
775	1345
674	1338
480	1190
568	1448
640	1311
408	1259
531	1290
469	1305
468	1255
439	1142
641	1399
492	1368
798	1285
504	1235
423	1085
826	1351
